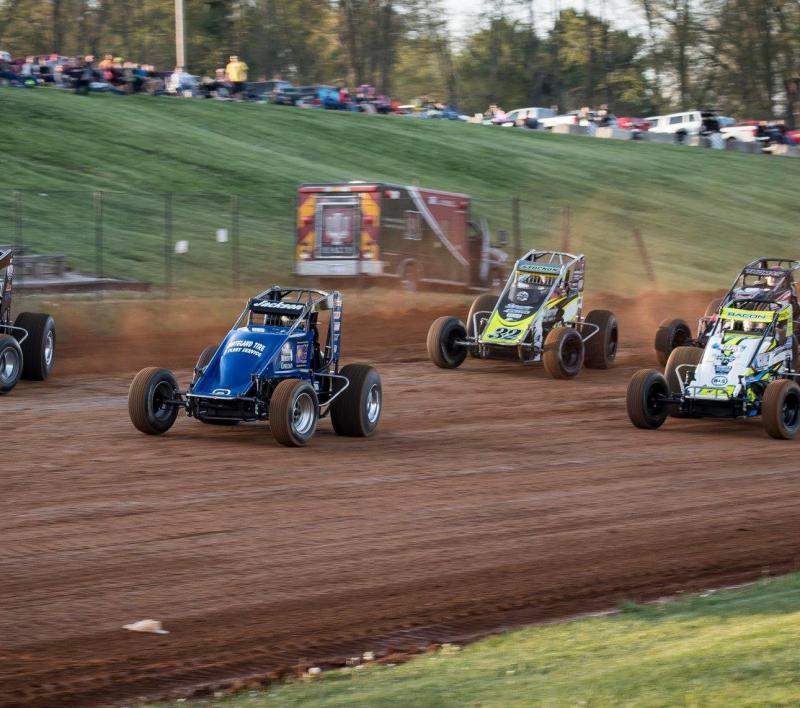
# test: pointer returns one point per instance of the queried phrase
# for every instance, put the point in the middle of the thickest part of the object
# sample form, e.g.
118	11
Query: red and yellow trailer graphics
386	230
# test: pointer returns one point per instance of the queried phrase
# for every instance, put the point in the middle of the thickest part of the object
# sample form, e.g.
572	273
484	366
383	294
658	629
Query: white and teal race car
537	318
745	369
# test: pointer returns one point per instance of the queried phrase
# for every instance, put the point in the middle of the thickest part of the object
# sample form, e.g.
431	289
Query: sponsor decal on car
719	381
529	267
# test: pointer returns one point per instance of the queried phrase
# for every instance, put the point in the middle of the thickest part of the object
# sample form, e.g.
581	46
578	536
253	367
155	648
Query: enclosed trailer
421	236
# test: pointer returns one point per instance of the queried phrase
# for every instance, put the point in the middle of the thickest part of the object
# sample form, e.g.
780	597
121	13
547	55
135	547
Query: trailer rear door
338	222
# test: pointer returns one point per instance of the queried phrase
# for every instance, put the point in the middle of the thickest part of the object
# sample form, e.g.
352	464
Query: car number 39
505	333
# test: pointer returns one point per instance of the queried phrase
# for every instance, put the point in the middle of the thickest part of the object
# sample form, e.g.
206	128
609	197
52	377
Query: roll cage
759	270
298	308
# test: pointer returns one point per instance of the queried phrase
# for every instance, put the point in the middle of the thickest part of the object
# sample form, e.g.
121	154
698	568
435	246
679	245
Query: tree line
741	56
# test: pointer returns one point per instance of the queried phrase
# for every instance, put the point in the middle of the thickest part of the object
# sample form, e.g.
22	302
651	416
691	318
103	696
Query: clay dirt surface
492	496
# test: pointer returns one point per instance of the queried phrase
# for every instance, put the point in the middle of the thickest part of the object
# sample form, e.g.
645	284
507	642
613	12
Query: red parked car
629	123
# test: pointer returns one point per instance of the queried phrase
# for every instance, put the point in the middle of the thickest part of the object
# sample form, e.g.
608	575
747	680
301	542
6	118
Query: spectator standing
236	73
84	75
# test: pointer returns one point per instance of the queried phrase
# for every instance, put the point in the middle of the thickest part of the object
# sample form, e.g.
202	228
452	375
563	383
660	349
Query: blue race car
27	347
271	366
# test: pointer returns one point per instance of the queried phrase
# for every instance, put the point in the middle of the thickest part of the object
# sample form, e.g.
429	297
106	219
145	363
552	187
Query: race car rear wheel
563	353
443	348
152	400
686	357
357	410
483	303
205	356
680	356
39	347
601	347
671	334
293	412
780	409
646	409
10	363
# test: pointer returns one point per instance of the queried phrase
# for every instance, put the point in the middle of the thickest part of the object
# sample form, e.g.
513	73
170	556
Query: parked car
570	118
682	124
628	123
510	119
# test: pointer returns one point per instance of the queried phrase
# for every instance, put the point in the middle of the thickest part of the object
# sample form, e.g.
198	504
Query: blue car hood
243	352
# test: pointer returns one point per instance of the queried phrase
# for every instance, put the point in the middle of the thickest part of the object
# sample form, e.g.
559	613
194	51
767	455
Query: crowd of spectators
115	75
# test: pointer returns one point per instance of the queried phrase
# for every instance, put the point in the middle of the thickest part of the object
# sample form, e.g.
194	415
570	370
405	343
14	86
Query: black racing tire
11	363
293	412
644	410
356	411
39	347
563	353
202	361
671	334
601	347
780	409
713	307
148	408
483	303
442	348
205	356
679	357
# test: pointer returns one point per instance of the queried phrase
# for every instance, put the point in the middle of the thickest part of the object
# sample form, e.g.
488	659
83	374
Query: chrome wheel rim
49	348
303	414
373	403
9	364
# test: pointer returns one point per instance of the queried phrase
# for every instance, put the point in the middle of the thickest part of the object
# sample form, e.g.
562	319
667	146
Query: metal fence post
565	229
168	243
18	229
98	234
516	228
644	255
17	218
235	242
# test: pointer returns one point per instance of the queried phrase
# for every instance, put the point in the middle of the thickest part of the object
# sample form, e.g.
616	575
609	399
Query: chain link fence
168	241
203	243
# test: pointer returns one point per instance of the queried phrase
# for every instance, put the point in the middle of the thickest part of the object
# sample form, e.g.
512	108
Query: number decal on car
505	333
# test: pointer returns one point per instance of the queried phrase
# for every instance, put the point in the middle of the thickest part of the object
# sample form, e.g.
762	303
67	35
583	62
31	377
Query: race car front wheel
563	353
671	334
601	347
153	400
443	347
357	410
484	303
39	347
293	412
10	363
780	409
645	399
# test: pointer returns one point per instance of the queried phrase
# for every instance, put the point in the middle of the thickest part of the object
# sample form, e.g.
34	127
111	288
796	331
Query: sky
622	13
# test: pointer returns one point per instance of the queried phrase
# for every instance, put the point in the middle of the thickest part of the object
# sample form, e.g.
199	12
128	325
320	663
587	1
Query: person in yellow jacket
236	73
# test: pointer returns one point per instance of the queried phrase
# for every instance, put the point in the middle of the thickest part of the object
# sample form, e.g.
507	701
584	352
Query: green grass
732	648
702	213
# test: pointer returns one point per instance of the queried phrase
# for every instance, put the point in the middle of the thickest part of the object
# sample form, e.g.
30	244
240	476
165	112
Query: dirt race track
491	497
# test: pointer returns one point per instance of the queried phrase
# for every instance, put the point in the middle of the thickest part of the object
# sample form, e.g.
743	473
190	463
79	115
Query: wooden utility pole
180	31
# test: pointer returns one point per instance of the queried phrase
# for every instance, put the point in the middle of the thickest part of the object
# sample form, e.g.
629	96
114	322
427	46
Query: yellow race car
538	317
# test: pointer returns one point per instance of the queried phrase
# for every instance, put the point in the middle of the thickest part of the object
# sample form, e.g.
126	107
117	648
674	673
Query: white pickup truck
686	122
